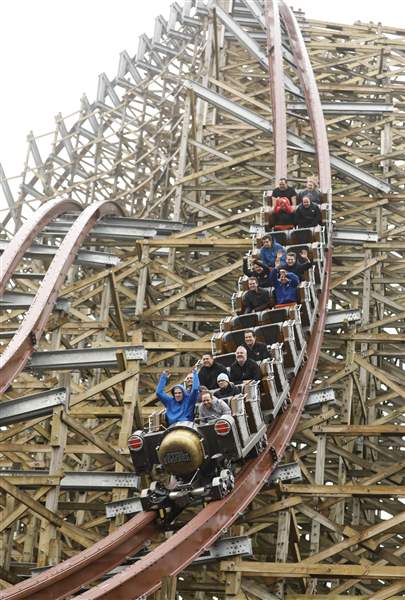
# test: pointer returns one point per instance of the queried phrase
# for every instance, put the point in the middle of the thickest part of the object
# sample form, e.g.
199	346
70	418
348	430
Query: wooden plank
213	276
223	165
96	440
343	490
360	430
297	570
81	536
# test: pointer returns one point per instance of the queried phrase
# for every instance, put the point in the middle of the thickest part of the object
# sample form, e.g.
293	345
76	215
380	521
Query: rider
180	404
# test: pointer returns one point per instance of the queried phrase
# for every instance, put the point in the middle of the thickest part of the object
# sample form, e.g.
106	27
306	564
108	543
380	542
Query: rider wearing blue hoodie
180	404
270	251
285	286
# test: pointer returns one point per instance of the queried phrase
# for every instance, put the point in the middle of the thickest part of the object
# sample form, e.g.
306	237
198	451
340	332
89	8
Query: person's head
311	185
283	277
252	283
206	399
178	393
306	201
282	184
189	380
291	259
257	267
207	359
250	338
267	241
241	355
284	204
223	381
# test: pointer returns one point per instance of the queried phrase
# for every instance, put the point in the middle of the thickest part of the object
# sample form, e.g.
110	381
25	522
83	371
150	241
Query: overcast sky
53	50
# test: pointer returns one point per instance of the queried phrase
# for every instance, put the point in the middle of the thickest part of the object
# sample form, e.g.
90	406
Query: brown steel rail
24	237
277	91
175	554
23	343
311	93
67	577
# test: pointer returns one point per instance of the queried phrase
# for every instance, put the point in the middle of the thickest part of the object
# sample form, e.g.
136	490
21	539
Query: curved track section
311	93
23	343
26	235
70	575
172	556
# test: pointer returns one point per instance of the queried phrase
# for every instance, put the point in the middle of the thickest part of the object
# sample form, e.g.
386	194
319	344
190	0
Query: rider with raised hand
180	403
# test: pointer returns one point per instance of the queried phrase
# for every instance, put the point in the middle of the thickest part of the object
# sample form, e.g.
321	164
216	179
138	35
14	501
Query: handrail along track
173	555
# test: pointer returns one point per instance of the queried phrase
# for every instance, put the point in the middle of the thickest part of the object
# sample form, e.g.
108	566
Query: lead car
199	459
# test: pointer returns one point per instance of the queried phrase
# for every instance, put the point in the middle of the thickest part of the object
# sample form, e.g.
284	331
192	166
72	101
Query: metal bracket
319	397
287	472
136	354
225	548
337	318
128	506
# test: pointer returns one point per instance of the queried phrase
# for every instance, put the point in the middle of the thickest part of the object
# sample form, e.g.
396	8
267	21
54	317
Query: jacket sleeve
160	393
246	302
294	279
225	408
266	301
245	267
256	372
194	389
263	257
273	277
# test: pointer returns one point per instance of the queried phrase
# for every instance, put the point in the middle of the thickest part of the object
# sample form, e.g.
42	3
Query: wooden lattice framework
162	152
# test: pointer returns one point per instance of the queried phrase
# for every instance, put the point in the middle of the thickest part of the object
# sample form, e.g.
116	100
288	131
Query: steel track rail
311	94
26	235
22	344
67	577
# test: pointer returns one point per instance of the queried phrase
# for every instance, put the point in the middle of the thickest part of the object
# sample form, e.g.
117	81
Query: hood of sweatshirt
179	387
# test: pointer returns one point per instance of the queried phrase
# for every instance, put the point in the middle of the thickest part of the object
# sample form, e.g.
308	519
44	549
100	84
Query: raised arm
273	277
195	387
294	279
160	393
245	267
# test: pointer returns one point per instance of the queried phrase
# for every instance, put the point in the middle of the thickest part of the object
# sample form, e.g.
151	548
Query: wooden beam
213	276
346	490
360	430
298	570
83	537
96	440
224	165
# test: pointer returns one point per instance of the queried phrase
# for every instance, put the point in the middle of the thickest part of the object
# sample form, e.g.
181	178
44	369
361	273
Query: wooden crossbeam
356	269
381	375
83	537
356	430
96	440
298	570
346	490
224	165
213	276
